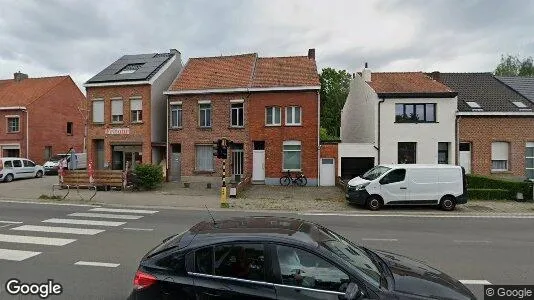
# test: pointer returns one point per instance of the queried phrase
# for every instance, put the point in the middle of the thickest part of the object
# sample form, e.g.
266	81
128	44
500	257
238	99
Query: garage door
355	166
328	172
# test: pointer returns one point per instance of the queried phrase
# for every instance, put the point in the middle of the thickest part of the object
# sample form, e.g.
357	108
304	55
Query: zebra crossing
73	226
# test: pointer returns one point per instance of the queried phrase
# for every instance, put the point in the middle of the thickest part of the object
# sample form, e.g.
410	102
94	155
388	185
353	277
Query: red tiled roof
406	82
21	93
244	71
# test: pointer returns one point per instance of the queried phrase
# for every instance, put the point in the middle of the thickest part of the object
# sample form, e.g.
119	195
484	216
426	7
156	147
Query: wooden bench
77	179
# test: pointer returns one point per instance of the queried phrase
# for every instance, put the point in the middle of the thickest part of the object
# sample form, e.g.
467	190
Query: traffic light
216	148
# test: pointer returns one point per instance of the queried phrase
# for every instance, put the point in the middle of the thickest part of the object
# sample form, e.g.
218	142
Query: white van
16	168
443	185
52	165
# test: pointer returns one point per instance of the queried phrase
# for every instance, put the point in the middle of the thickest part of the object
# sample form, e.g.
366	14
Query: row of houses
151	108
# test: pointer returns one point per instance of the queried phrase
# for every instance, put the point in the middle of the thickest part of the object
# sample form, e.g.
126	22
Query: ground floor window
292	156
407	152
529	160
237	160
127	156
443	153
499	156
11	153
204	158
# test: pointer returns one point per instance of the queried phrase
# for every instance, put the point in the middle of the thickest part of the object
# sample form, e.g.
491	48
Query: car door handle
403	188
212	294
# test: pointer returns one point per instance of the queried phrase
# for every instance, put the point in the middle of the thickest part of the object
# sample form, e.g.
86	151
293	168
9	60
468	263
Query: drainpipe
27	135
457	141
380	101
167	145
318	138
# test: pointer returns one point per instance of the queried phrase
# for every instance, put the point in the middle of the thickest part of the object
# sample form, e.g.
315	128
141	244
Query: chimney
435	75
366	73
311	53
20	76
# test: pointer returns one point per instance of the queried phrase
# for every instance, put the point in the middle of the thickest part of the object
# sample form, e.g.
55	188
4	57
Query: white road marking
69	230
84	222
24	239
16	255
96	264
10	222
2	226
380	240
475	282
138	229
488	216
120	210
105	216
472	242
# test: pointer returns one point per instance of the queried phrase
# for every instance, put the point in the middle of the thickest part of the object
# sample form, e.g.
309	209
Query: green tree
511	65
335	86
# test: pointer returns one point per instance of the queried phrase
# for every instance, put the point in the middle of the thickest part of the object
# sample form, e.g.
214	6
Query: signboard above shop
116	131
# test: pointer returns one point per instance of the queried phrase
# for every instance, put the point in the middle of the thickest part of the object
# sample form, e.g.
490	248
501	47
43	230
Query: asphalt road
498	250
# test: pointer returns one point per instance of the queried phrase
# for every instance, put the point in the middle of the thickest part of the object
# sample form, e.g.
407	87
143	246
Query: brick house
268	106
40	117
495	125
127	110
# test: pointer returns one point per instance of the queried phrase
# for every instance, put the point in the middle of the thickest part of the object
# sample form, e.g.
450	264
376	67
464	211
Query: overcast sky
80	38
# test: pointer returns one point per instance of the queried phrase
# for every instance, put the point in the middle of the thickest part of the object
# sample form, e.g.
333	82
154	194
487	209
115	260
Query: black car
282	258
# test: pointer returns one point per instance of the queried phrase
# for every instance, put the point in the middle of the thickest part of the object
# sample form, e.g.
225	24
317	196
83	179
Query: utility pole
220	150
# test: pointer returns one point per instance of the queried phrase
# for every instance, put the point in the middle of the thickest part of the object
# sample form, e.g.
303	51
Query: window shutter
98	111
499	151
136	104
116	107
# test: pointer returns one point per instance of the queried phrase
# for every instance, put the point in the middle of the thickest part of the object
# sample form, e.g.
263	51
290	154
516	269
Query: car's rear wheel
447	203
374	203
8	178
39	174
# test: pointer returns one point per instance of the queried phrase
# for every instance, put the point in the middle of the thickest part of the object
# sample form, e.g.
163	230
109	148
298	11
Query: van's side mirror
353	292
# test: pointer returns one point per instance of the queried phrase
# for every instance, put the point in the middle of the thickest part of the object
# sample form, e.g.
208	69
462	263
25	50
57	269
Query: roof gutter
116	83
245	90
495	113
417	95
380	101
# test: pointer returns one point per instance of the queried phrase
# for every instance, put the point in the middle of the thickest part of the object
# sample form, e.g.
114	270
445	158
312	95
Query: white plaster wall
358	116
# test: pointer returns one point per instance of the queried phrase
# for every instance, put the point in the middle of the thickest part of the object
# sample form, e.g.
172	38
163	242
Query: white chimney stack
366	73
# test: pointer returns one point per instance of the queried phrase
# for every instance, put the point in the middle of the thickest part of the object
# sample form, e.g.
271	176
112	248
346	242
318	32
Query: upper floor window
13	124
237	115
273	116
415	113
136	106
70	128
293	115
98	111
116	111
176	115
204	110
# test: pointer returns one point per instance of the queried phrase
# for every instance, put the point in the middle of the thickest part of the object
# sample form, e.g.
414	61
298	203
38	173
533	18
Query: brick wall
274	137
191	135
329	150
139	132
482	131
13	138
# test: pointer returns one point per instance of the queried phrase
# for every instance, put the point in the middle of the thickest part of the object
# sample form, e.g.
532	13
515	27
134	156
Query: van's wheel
39	174
447	203
8	178
374	203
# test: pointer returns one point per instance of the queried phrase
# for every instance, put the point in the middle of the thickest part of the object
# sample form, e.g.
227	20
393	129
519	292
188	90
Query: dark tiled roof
145	66
408	83
24	92
522	85
484	89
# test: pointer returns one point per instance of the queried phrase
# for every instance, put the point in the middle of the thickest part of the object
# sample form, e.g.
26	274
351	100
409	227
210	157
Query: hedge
490	188
149	176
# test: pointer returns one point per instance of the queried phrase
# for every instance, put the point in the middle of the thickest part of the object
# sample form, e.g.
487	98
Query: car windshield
375	172
57	157
354	255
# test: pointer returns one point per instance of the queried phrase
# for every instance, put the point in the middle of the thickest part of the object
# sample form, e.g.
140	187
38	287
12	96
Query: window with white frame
499	156
293	115
273	116
529	160
136	108
204	115
292	156
236	115
13	124
176	115
204	158
117	111
98	111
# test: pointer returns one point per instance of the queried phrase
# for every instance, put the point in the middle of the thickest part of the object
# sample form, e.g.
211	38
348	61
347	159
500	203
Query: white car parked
16	168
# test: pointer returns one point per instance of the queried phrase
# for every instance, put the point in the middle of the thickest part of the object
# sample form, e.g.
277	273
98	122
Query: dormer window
129	69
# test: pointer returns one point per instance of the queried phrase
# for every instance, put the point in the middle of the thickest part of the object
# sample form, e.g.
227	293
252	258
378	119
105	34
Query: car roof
10	158
257	229
420	166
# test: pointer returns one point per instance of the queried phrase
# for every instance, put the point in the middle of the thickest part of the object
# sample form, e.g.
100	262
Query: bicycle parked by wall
299	179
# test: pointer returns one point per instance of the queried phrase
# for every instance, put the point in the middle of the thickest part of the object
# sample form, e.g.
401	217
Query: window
131	68
245	261
174	262
292	150
303	269
415	113
407	152
237	115
136	106
272	116
204	261
519	104
499	156
204	158
13	124
473	104
394	176
529	160
70	128
47	152
443	153
293	115
28	163
8	164
17	164
116	111
204	110
465	146
98	111
176	116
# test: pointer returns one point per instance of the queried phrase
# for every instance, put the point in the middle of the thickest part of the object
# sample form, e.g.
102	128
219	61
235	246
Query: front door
258	165
328	172
175	167
465	157
394	187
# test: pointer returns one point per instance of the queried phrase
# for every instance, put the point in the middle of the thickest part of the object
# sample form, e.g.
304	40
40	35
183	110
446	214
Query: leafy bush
488	194
148	177
475	182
